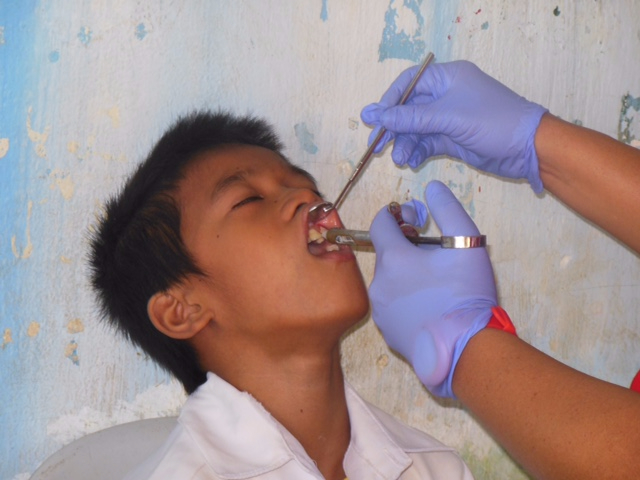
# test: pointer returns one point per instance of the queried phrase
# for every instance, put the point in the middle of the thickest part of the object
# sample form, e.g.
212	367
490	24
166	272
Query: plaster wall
87	86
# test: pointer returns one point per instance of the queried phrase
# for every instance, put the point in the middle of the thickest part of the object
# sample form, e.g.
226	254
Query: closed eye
253	198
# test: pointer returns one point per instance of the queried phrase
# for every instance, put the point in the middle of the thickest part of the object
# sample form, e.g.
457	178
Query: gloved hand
459	111
429	301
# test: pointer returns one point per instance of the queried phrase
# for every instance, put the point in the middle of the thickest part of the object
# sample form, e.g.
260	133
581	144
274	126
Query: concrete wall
88	86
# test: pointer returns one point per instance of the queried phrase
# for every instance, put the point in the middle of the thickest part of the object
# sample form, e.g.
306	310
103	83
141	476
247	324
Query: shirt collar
236	435
240	439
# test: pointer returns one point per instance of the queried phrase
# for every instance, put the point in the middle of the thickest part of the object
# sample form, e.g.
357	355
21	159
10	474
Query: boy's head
210	234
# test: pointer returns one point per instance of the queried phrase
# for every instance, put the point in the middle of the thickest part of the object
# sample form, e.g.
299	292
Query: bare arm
556	422
594	174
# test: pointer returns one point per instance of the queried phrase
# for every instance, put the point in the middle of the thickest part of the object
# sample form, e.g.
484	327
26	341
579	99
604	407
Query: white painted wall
88	86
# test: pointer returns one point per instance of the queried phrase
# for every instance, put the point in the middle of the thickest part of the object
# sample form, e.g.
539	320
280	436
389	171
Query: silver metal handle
343	236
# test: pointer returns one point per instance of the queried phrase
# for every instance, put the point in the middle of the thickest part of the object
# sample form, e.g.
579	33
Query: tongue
321	248
317	248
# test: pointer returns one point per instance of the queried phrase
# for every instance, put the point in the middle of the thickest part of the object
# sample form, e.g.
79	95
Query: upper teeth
316	235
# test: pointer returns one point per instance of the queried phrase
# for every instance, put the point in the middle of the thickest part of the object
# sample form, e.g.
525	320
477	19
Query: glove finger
411	118
403	148
371	113
415	213
386	138
393	94
448	212
431	146
385	232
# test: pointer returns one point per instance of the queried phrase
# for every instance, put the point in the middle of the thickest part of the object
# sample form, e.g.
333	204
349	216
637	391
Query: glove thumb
448	212
384	228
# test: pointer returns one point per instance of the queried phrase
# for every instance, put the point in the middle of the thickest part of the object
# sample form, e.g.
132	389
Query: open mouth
318	225
317	244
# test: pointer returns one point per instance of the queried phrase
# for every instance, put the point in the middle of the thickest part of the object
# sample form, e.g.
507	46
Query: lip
329	221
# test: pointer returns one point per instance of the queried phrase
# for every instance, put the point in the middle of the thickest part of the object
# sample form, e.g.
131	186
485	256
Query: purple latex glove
429	301
459	111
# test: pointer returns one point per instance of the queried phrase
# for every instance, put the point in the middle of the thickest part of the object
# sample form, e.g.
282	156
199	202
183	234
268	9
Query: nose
295	198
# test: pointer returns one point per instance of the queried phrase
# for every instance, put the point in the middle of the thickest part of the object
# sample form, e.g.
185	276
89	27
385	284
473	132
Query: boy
204	261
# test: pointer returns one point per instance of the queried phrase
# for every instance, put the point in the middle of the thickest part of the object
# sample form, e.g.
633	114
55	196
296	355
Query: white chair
108	454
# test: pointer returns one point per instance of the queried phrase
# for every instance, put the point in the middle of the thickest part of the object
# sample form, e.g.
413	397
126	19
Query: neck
305	393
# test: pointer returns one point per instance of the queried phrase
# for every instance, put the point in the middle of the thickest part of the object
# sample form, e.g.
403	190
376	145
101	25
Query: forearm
556	422
594	174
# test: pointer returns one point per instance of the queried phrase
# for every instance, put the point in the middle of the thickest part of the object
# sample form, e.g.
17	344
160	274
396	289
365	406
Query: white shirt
223	433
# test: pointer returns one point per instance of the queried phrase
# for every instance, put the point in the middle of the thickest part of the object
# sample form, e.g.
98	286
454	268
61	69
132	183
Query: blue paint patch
85	35
485	26
54	56
324	14
141	31
305	138
397	43
19	377
627	117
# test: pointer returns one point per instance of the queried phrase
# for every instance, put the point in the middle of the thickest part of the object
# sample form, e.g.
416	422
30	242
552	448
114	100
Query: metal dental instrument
343	236
326	207
367	155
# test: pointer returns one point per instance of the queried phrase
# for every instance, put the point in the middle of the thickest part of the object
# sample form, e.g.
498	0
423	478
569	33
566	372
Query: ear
176	314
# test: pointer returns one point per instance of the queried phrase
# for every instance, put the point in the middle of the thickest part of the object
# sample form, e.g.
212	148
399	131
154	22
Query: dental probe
367	155
343	236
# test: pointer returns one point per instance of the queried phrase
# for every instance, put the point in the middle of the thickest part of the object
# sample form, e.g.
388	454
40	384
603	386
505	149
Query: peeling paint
305	138
33	330
626	127
73	147
28	249
2	36
383	360
85	35
464	194
39	138
402	36
345	168
141	31
114	115
6	338
63	182
75	326
324	15
71	352
4	147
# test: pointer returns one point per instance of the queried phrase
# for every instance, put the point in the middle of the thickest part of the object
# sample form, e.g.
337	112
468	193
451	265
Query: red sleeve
501	321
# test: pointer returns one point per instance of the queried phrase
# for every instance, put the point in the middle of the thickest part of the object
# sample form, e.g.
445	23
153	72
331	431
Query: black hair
136	249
